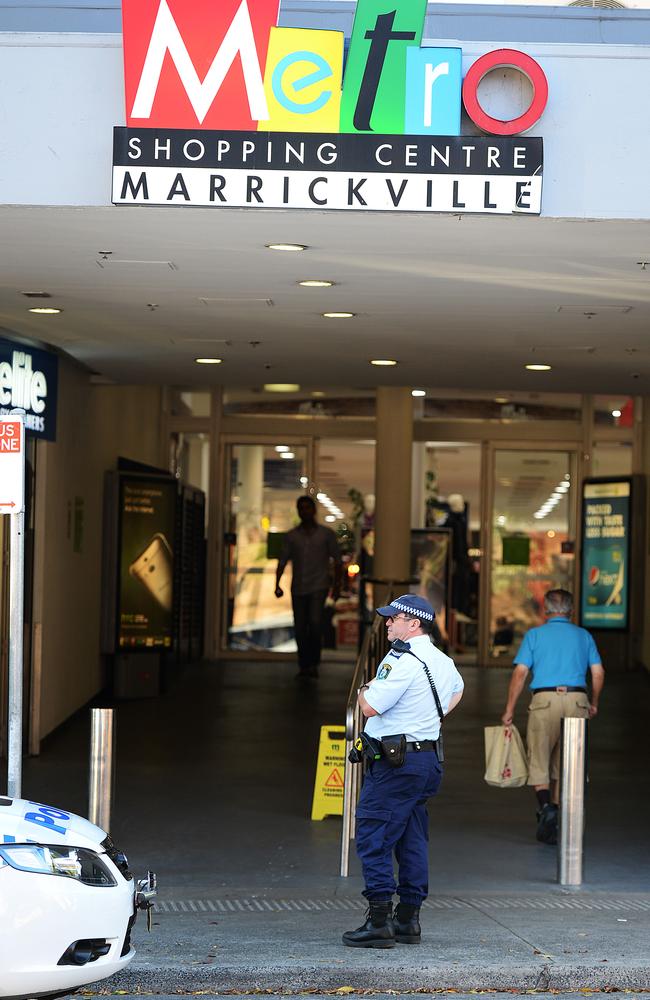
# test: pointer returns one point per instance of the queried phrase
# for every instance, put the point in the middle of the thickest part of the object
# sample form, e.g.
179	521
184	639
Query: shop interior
494	521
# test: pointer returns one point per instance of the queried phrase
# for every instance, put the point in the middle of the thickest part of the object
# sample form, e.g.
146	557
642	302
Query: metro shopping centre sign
224	108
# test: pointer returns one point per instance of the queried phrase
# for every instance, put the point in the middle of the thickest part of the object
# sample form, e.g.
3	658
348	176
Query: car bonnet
22	822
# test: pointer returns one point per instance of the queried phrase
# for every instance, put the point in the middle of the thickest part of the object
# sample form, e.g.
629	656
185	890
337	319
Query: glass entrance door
263	482
532	541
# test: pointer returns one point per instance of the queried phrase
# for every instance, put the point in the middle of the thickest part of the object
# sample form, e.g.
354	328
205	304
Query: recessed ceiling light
338	315
317	393
281	387
501	399
282	447
330	518
418	392
383	362
538	368
208	361
289	247
45	310
316	283
616	413
287	454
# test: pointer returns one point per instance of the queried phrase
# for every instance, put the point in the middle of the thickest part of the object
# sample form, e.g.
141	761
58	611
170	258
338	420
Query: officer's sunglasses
396	618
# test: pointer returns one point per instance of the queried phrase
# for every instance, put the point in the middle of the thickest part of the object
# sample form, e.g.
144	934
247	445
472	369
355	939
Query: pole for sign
16	600
12	453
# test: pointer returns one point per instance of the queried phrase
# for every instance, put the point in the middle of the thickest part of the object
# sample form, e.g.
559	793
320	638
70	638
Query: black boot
547	824
378	930
407	923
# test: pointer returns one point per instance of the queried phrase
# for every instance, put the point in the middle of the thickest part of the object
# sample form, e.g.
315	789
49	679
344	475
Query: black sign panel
493	175
29	382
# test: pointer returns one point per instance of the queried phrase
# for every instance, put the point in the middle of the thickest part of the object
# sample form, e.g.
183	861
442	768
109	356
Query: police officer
391	814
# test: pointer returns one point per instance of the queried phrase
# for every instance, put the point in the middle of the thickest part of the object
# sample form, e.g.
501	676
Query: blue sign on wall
29	382
605	590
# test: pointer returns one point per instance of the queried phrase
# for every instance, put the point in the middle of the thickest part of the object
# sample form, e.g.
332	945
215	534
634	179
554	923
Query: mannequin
367	540
457	521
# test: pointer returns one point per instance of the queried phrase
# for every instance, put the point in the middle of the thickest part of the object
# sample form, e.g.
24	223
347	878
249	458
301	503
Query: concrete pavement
214	784
543	941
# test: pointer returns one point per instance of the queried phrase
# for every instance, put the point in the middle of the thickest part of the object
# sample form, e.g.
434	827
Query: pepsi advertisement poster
606	522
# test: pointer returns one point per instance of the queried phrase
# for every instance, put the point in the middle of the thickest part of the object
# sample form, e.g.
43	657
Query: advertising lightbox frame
588	546
114	559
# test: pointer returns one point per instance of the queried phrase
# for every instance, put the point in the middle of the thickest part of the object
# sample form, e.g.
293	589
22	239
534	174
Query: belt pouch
365	748
440	753
394	749
356	753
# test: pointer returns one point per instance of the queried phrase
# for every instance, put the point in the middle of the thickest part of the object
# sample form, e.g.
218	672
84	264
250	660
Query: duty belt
419	745
562	689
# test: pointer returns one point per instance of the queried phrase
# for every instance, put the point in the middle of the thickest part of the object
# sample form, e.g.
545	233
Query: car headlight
71	862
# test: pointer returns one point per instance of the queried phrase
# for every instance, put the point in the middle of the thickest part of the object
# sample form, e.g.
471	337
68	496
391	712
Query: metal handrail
373	649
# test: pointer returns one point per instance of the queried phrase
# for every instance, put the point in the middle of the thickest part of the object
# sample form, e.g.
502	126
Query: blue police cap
408	604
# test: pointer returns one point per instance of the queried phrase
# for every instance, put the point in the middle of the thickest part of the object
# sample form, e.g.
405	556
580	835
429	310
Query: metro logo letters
225	108
196	63
227	66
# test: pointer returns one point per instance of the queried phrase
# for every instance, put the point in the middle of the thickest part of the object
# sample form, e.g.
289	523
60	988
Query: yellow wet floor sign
328	786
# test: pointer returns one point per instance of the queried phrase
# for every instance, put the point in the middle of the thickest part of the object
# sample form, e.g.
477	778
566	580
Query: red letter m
196	63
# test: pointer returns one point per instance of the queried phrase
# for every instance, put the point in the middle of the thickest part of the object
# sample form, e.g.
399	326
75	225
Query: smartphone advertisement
146	574
605	553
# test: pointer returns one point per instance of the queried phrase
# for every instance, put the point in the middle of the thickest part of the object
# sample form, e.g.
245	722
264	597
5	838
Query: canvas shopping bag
505	757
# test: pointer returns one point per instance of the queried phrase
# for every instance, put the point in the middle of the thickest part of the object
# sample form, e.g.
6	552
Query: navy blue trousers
392	818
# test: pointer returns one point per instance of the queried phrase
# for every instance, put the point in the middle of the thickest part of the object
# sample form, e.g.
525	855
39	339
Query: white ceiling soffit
461	303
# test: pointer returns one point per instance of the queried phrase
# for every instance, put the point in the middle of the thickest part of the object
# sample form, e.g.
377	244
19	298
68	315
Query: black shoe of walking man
547	824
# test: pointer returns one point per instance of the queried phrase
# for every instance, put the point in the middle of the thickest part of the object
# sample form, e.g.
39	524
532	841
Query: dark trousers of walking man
308	620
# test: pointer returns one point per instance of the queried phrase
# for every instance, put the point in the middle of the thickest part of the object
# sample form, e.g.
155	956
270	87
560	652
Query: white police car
68	901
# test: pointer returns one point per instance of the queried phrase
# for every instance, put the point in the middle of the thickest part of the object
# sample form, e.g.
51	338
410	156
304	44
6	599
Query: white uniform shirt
402	696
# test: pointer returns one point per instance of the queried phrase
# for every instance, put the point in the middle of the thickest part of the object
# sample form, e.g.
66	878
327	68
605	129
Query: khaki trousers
545	714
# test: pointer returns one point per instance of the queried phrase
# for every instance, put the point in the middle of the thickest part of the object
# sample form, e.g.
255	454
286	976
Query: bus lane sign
12	464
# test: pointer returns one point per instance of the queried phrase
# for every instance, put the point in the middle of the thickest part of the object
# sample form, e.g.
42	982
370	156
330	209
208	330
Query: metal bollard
573	777
100	785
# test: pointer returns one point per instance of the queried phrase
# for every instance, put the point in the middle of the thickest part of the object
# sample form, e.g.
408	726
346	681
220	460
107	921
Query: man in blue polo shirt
557	656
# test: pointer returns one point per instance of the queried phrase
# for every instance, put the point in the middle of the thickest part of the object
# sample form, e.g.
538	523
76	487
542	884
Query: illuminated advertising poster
147	521
28	381
226	108
605	554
